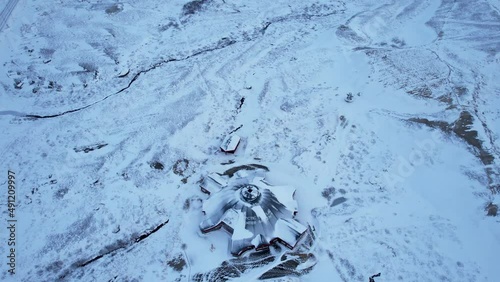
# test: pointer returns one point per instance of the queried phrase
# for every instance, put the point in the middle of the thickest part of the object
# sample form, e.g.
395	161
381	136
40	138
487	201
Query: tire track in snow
7	11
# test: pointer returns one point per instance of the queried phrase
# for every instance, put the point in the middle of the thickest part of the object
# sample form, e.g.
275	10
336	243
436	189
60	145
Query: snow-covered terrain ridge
112	112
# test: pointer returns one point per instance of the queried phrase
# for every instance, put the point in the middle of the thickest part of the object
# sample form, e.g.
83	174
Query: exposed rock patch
157	165
492	209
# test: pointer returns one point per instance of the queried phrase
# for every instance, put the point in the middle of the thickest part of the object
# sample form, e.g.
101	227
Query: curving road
4	16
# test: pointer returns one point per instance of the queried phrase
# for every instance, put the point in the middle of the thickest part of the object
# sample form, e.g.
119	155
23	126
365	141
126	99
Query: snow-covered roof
230	143
255	212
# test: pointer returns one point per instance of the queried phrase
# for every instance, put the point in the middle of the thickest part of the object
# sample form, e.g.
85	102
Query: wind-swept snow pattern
383	116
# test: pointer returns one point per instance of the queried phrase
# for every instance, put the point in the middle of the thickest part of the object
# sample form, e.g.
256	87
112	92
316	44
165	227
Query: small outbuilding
230	143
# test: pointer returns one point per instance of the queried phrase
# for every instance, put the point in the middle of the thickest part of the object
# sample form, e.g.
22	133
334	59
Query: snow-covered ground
111	113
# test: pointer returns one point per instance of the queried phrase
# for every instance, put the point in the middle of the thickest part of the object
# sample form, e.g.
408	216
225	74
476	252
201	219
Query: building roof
230	143
254	212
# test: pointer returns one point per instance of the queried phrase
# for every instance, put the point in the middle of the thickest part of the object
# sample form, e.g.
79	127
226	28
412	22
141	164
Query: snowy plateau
383	115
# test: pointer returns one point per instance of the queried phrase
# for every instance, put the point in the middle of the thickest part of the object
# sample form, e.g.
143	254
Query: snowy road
6	12
111	114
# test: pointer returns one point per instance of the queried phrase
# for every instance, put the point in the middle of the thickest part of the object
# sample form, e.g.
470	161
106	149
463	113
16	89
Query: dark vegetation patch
178	263
462	128
187	204
495	188
344	31
113	9
242	101
492	209
372	278
90	148
147	233
88	67
228	162
180	166
291	106
329	194
59	194
193	7
460	90
46	52
171	24
75	232
295	263
338	201
18	83
446	99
